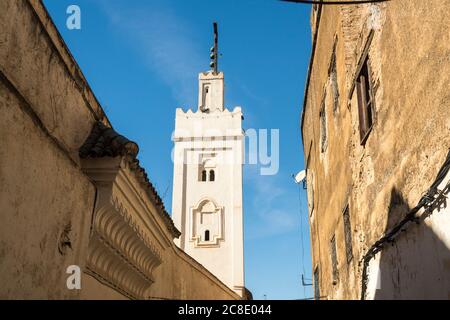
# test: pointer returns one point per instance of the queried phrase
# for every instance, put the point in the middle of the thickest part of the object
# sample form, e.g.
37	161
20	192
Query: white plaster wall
417	264
217	132
214	99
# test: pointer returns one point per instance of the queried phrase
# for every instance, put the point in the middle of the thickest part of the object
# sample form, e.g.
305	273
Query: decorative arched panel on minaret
206	224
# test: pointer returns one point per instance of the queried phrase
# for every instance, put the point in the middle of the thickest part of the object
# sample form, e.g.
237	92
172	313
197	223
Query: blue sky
142	60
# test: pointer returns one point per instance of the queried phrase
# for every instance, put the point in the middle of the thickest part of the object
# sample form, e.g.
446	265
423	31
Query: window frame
323	126
366	100
348	238
334	260
203	175
310	183
333	78
316	281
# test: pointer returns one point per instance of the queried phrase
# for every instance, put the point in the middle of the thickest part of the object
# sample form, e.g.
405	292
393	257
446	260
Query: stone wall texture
47	201
408	49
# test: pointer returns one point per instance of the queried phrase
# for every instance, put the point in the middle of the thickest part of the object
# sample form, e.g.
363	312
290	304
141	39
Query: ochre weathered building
376	135
72	191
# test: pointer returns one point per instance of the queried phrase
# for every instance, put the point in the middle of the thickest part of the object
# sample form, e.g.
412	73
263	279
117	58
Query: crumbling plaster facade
408	50
61	206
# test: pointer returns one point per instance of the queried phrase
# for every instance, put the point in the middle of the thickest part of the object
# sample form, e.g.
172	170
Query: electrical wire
428	201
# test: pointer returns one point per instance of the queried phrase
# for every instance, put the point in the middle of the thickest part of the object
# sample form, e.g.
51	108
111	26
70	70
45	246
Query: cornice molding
124	250
132	165
120	253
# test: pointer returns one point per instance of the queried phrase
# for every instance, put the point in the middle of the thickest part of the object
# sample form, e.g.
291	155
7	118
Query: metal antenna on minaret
214	64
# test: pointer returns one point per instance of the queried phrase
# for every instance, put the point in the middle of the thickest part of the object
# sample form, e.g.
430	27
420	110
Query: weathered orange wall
410	66
47	112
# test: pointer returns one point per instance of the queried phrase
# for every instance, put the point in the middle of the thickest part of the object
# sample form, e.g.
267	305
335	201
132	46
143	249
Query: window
310	191
207	235
207	167
323	128
316	284
310	182
365	101
348	235
334	260
203	175
206	98
333	80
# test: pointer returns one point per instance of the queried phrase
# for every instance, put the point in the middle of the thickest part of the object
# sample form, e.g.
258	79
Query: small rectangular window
310	190
348	235
334	260
323	128
310	182
316	284
334	84
365	101
202	174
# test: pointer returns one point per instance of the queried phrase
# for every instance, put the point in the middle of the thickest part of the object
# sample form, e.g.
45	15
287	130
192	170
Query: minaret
207	184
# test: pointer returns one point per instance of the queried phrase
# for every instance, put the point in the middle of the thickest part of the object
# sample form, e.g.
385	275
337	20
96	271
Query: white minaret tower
207	183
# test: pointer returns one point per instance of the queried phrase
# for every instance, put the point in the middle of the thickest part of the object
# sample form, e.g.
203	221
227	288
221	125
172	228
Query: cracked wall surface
409	61
48	204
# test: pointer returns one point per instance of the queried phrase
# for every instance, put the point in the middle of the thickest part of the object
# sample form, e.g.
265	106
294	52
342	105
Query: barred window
323	128
203	175
334	260
365	101
310	190
316	284
348	234
334	81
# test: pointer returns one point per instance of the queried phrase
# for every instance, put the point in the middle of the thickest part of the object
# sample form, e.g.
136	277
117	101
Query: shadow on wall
417	264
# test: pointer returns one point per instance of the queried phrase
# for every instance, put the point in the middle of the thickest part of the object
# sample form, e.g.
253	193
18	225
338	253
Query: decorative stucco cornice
120	254
141	176
132	223
104	142
130	228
